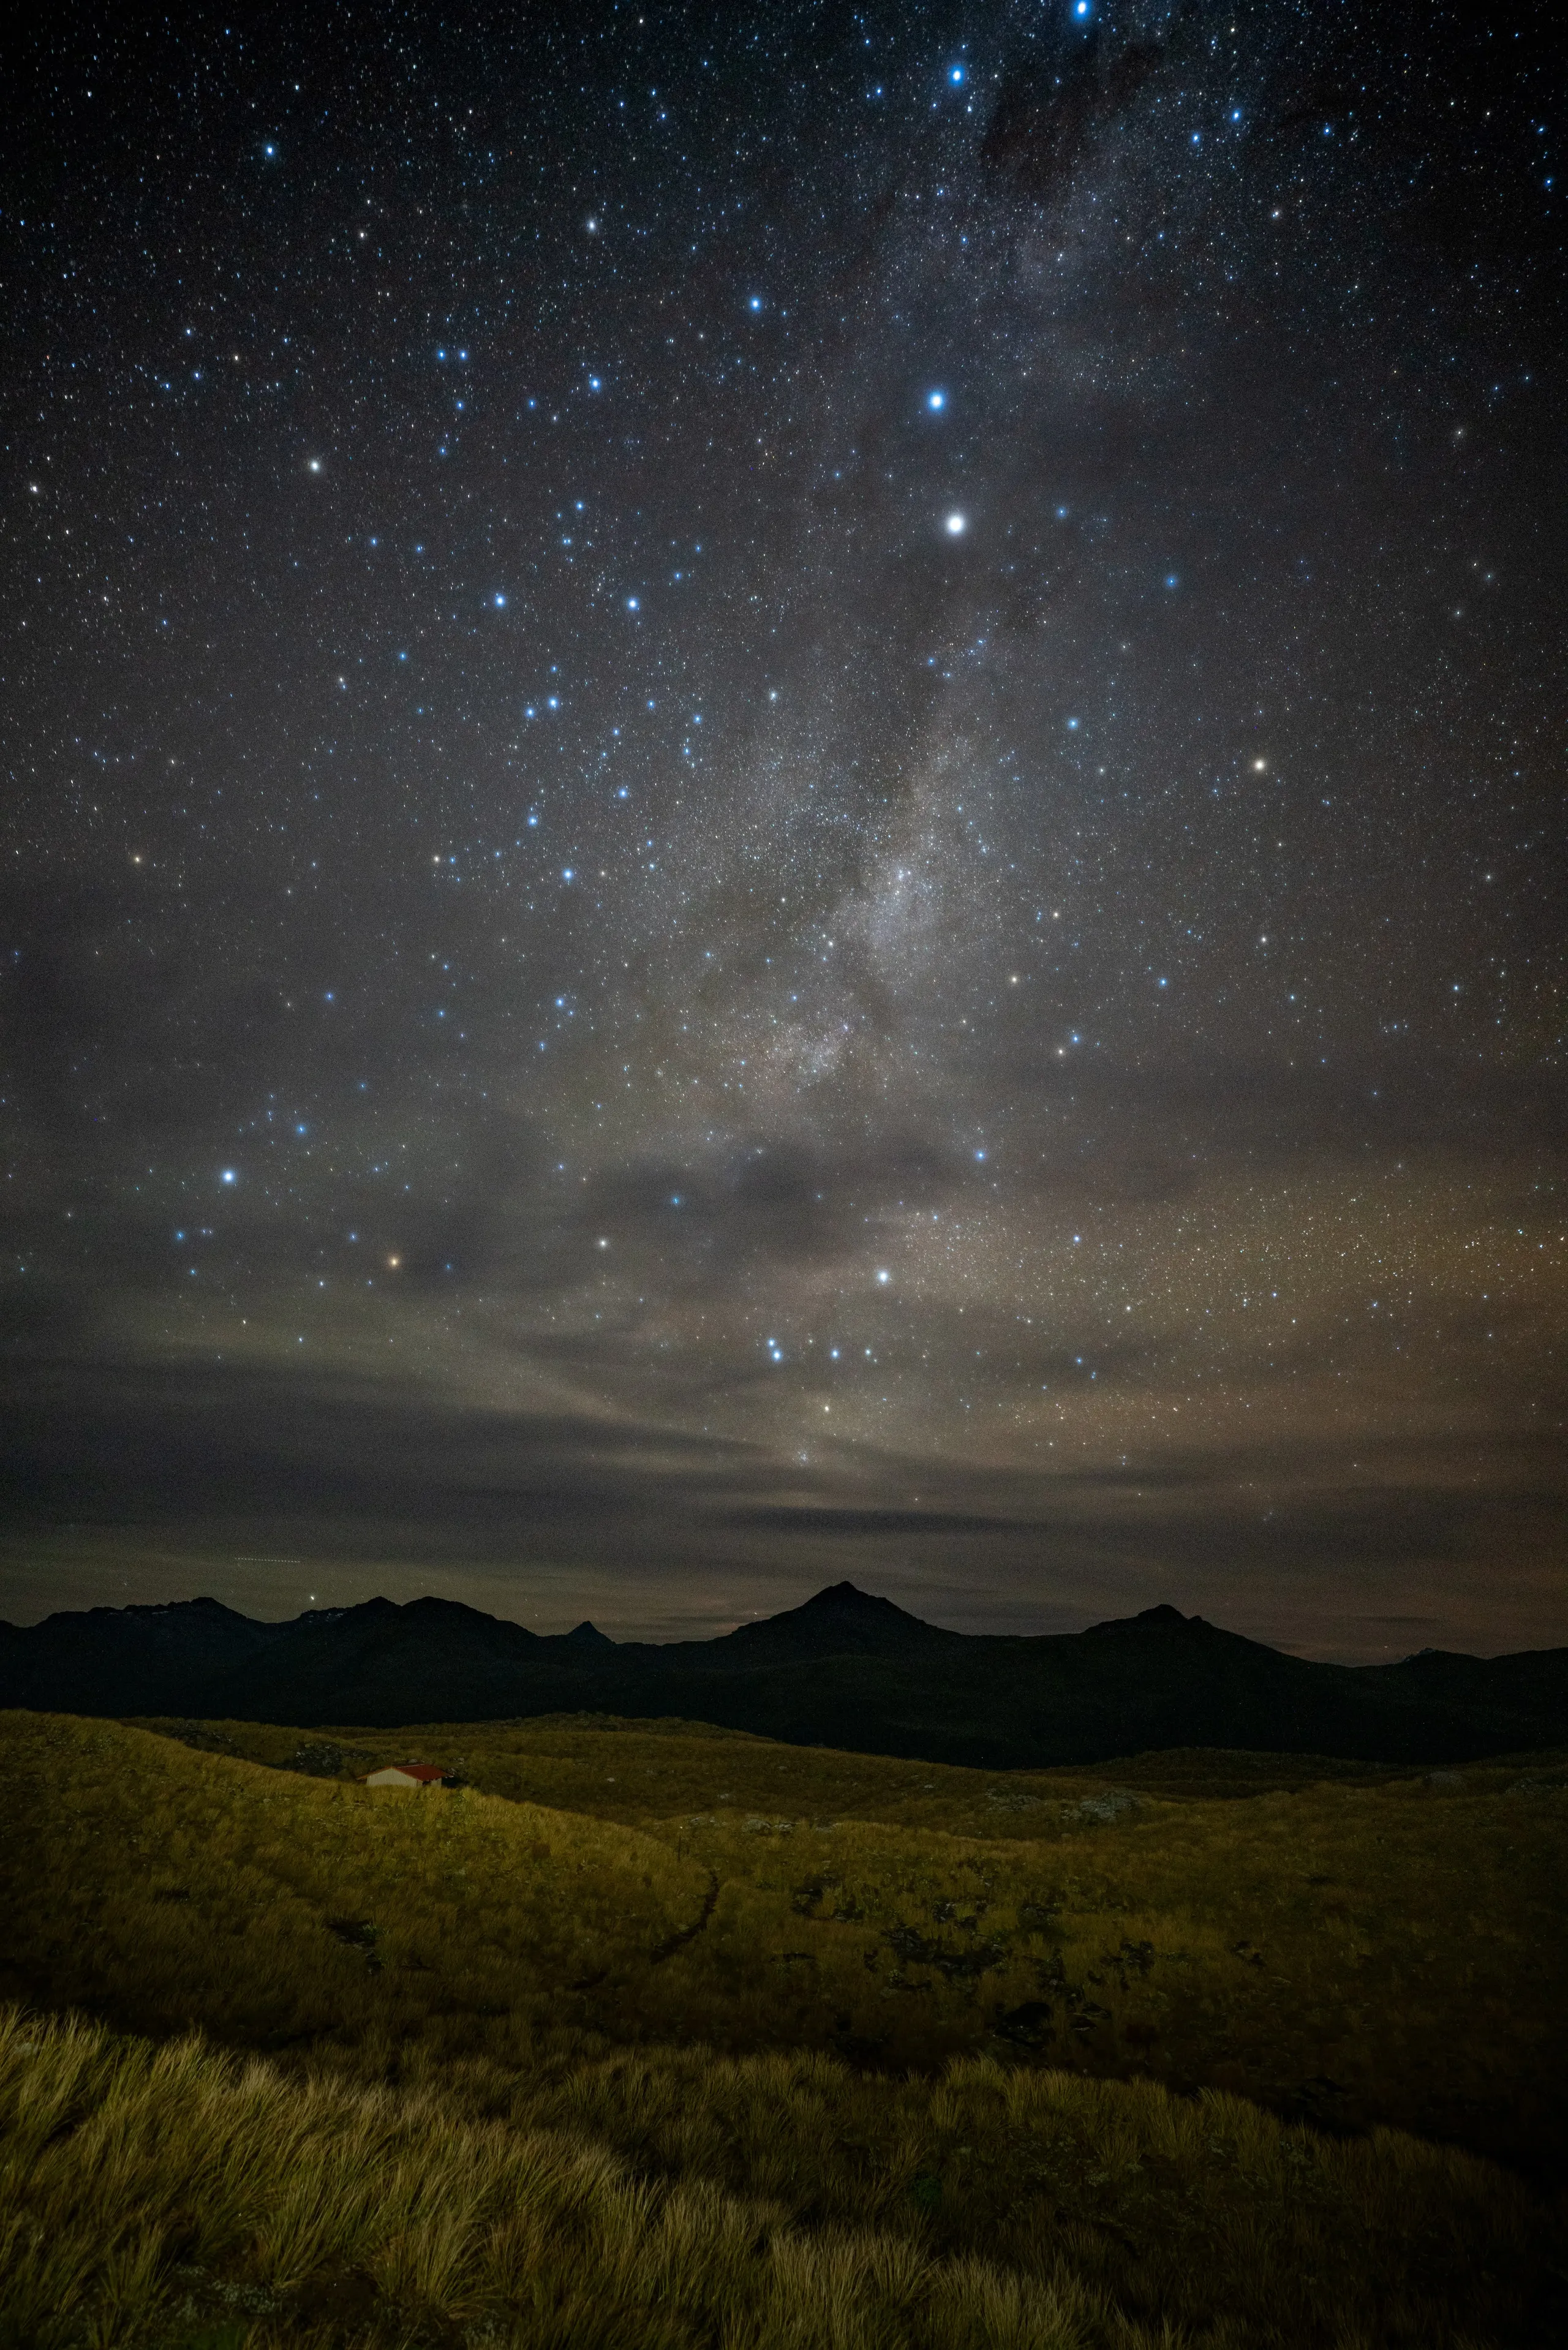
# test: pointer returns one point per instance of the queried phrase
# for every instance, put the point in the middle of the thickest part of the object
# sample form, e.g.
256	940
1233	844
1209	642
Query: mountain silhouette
840	1621
846	1668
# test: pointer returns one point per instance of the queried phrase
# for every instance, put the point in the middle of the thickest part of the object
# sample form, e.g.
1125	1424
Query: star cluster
784	791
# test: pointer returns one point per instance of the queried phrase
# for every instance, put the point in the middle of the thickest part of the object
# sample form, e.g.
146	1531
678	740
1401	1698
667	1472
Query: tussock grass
799	2059
1350	1951
167	1886
176	2196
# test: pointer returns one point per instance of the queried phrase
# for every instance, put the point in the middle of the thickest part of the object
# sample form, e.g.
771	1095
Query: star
963	922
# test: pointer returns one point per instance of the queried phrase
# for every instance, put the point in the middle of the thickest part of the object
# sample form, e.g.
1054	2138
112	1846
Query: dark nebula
782	798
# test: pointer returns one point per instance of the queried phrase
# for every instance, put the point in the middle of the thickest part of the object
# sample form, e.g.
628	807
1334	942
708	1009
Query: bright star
230	1176
936	399
957	525
883	1275
955	75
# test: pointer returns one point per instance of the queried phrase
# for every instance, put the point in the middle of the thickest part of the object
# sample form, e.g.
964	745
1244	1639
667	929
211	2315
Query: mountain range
846	1670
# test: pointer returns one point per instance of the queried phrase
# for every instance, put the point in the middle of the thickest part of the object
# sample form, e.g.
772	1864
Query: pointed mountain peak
839	1620
1166	1619
589	1636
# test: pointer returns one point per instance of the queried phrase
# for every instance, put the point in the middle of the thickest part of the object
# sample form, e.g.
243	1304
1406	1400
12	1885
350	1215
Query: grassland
651	2034
1350	1948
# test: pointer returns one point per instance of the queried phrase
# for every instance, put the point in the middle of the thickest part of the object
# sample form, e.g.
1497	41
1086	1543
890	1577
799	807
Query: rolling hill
656	2035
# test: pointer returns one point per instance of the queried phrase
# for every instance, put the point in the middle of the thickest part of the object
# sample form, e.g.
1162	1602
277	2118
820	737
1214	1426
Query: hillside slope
586	2050
640	1886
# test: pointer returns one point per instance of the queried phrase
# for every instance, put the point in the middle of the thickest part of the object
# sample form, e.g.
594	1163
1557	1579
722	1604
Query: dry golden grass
675	2038
1352	1950
155	2197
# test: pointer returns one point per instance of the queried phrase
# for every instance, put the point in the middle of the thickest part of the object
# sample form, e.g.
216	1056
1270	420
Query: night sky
783	797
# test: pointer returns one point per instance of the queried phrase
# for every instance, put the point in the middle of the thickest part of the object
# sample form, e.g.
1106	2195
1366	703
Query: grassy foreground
673	2038
1350	1951
173	2195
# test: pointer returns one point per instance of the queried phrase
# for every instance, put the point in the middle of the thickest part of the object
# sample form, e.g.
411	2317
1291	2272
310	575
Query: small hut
405	1774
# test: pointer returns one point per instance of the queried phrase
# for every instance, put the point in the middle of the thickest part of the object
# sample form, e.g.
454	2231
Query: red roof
416	1770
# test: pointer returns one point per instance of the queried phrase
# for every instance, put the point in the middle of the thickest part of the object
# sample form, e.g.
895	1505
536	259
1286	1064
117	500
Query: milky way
783	797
